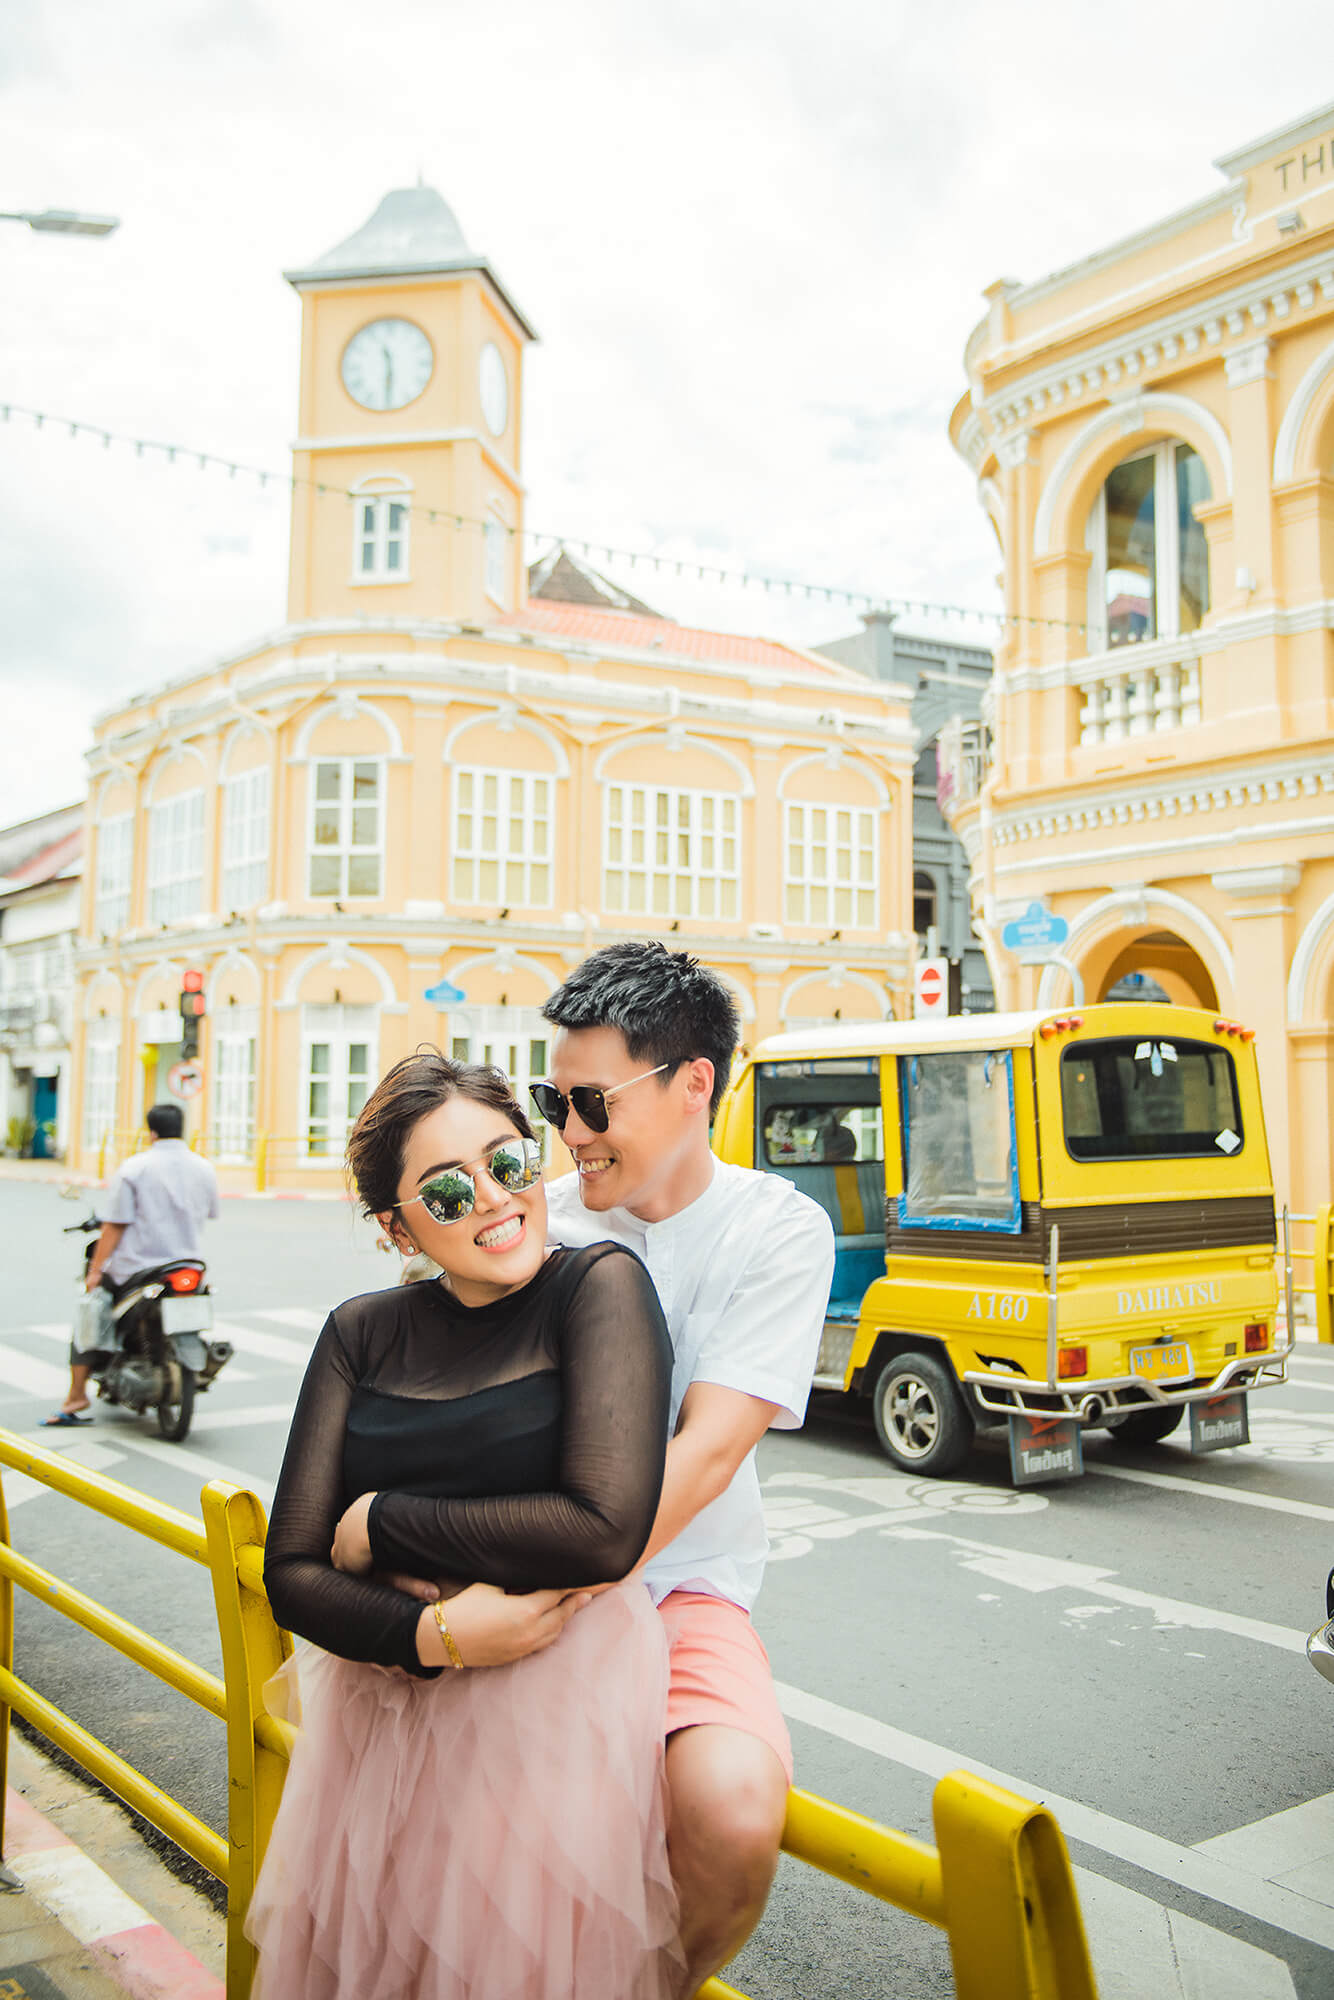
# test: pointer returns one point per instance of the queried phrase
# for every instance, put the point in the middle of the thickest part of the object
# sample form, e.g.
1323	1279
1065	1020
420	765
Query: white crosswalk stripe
58	1330
28	1375
298	1316
271	1346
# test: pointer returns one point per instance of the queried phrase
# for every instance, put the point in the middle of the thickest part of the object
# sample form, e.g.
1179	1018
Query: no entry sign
931	988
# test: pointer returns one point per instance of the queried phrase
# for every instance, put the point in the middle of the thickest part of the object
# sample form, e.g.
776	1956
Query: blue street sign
1036	930
445	995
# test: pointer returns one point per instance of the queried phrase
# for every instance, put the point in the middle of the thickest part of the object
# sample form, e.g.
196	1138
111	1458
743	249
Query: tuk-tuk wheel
920	1417
1145	1426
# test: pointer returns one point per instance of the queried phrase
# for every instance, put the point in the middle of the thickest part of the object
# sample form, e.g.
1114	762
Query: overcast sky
752	234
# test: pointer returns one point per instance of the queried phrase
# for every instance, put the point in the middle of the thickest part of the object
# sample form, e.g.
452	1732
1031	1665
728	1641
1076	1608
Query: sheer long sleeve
615	1378
347	1615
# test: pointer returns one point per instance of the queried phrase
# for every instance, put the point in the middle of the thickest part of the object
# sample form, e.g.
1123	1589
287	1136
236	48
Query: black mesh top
519	1443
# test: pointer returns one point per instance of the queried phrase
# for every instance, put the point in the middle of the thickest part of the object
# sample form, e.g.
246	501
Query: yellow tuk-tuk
1049	1222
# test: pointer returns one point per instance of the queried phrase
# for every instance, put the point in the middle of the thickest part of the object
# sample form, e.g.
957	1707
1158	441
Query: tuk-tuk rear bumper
1093	1402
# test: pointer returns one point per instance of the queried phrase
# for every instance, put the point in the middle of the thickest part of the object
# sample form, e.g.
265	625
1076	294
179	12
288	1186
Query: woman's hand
351	1551
491	1628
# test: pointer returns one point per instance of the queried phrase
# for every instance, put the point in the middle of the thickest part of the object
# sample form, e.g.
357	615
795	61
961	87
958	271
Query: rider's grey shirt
162	1196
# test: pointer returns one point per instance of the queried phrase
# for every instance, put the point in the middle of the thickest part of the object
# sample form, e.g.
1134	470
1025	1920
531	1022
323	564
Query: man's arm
715	1432
102	1249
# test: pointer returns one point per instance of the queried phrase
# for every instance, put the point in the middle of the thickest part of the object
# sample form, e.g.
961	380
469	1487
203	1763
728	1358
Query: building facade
951	685
40	866
404	815
1153	436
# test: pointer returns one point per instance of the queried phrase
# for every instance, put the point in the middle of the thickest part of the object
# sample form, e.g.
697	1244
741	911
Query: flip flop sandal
64	1420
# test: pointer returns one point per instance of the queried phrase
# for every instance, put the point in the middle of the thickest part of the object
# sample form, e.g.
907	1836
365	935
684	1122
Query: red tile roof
613	630
48	862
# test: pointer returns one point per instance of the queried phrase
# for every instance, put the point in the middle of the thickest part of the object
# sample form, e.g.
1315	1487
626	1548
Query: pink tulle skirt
497	1834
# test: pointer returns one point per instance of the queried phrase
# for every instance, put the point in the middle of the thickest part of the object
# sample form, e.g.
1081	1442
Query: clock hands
388	373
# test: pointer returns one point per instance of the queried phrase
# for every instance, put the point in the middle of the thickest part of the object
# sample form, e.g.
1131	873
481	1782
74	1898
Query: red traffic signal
192	982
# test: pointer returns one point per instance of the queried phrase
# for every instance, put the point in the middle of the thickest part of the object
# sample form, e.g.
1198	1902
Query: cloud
753	237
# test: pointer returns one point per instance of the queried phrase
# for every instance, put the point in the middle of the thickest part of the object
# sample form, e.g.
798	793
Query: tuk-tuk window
818	1135
959	1168
1149	1097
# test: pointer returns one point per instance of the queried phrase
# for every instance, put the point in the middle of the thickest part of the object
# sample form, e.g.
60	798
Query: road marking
203	1467
238	1420
31	1376
1027	1571
1140	1946
81	1894
1294	1849
1201	1873
273	1346
298	1316
1206	1490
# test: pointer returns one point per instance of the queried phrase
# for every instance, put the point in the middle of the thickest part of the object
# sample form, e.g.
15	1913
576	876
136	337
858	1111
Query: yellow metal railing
998	1881
1313	1249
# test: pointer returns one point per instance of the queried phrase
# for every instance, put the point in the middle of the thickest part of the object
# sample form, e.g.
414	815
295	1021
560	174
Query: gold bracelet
455	1656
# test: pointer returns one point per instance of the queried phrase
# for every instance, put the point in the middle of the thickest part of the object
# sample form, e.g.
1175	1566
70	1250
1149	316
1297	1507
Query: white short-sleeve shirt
743	1274
161	1197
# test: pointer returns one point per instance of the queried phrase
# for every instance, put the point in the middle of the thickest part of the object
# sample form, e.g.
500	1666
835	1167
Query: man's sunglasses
451	1195
590	1103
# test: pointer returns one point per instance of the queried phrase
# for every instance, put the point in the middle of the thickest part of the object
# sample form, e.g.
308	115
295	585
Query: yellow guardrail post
261	1160
1324	1275
1011	1910
6	1664
254	1647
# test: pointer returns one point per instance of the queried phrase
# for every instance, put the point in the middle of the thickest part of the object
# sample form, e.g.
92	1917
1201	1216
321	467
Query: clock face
387	364
495	389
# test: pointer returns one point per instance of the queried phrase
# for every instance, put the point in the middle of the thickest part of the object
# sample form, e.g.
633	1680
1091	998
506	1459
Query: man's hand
492	1628
351	1551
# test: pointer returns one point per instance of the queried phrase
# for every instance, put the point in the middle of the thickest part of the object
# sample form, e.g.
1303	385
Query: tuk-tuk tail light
1257	1336
1071	1361
1061	1024
1222	1027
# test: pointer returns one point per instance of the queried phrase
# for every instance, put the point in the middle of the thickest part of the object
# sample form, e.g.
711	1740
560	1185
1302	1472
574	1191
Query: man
151	1215
742	1263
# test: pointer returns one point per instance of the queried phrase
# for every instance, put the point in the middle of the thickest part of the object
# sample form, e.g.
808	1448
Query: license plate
186	1315
1170	1363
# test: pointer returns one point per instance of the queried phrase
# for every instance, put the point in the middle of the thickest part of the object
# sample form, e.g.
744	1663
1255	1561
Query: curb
139	1953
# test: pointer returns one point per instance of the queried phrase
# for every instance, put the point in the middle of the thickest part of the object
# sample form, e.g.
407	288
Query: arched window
923	902
1150	573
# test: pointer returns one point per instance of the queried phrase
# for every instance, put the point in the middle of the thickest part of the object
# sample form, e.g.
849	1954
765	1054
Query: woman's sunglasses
590	1103
451	1195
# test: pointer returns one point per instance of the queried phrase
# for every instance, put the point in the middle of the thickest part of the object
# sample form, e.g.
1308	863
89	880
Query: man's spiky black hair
668	1006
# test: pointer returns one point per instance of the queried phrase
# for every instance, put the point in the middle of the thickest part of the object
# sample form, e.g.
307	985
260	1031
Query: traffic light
192	1012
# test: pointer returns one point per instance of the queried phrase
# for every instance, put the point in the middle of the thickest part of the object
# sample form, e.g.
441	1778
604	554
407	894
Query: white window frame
515	1040
1166	550
233	1051
245	839
115	874
495	559
376	534
101	1082
693	885
814	880
339	1029
522	841
176	858
347	849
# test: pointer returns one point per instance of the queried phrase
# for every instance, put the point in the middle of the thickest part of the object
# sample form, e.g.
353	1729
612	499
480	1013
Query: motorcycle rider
151	1215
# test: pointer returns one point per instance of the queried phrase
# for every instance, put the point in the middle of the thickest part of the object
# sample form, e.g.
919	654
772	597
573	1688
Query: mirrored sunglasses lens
450	1198
510	1167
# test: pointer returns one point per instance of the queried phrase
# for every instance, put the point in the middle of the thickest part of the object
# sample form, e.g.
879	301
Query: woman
460	1823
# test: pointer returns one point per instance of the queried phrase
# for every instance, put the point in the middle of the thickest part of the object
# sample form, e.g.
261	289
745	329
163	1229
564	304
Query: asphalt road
1128	1647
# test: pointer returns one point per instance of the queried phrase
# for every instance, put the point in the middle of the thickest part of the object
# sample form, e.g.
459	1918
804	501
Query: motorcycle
152	1330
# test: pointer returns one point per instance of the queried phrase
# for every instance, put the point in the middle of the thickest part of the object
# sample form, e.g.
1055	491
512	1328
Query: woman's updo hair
411	1089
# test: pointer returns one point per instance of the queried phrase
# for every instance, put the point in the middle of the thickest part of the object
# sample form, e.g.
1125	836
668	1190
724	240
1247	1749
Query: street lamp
63	221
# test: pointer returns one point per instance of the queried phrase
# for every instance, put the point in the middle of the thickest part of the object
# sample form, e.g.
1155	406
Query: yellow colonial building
407	813
1152	431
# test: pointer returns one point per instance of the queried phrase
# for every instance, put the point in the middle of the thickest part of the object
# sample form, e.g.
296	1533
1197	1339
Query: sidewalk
68	1931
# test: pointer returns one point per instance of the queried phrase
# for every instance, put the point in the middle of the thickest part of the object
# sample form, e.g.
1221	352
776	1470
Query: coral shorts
720	1671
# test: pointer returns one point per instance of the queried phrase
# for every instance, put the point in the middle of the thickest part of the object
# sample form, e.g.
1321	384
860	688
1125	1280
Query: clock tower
411	377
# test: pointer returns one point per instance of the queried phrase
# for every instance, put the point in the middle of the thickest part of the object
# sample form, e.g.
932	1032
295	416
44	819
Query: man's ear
698	1083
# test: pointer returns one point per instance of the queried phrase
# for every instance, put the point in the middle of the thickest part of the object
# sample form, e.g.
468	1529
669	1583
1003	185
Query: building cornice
1170	342
389	441
1152	655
